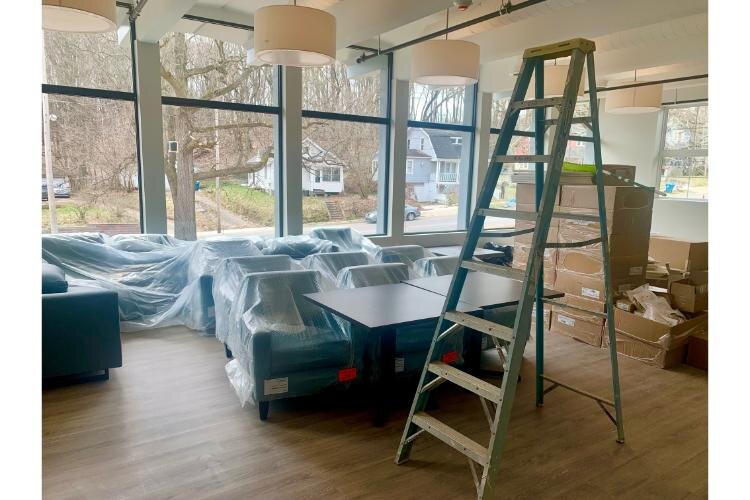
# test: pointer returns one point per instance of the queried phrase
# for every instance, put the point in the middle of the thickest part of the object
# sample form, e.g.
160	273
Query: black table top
482	290
454	250
383	306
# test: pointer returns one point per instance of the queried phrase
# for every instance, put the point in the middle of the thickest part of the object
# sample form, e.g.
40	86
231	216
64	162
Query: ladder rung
576	119
539	103
575	244
522	159
451	437
581	138
524	133
575	308
502	271
469	382
508	213
492	329
491	234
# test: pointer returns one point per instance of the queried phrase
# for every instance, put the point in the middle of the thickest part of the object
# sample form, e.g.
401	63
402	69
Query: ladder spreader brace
497	401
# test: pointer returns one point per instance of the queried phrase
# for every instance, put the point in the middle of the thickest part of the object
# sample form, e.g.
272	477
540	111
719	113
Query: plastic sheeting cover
161	287
372	275
329	264
435	266
297	247
345	238
228	277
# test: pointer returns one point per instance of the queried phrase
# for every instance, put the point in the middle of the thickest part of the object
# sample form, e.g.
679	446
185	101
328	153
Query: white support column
289	172
482	144
465	181
397	184
152	180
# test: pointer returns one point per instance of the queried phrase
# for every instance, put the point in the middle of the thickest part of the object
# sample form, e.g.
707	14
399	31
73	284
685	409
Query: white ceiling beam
224	33
159	17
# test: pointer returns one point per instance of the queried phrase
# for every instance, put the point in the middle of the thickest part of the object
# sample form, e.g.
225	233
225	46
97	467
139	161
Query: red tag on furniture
449	357
347	374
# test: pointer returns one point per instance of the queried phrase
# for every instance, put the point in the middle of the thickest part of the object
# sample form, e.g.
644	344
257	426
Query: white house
432	163
321	172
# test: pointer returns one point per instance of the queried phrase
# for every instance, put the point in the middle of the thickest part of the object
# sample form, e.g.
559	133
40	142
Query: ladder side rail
522	325
539	132
467	252
608	292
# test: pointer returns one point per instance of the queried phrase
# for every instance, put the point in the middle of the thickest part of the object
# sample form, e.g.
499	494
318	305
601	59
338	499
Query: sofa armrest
80	331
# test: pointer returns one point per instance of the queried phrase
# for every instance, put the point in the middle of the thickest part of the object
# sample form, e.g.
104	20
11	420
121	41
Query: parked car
410	213
62	189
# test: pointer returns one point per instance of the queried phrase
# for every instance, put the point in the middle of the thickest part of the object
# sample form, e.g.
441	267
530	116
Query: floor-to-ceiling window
220	118
684	166
89	167
344	146
440	147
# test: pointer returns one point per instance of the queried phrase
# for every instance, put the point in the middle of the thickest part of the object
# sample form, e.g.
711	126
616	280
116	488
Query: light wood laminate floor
168	425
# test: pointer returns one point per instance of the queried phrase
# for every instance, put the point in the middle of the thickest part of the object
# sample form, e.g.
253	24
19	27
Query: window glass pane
685	177
199	67
329	89
239	145
94	165
432	188
436	104
500	106
340	175
92	60
687	128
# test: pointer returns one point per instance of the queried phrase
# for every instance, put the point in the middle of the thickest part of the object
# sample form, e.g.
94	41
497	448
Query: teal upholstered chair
286	345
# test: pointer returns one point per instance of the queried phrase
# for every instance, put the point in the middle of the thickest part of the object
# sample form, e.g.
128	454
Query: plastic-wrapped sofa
285	346
404	254
297	247
435	266
80	327
329	264
412	342
345	238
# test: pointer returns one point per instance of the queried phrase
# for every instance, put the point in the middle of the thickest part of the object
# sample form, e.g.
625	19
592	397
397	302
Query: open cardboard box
686	256
652	342
690	294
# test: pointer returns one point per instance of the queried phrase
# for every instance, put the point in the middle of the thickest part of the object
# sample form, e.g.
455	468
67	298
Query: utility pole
217	182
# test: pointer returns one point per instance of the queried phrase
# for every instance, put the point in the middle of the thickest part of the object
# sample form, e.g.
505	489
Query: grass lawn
122	208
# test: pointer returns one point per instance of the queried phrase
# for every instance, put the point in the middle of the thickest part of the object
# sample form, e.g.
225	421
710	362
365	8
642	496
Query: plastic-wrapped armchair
435	266
285	346
405	254
412	342
227	279
329	264
345	238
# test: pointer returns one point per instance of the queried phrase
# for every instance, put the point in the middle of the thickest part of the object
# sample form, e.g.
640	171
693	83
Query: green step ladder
498	401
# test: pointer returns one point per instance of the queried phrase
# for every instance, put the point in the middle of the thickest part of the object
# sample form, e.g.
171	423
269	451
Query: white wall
636	140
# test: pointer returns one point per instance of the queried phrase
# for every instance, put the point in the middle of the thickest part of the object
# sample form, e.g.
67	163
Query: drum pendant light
554	80
634	100
445	62
81	16
294	36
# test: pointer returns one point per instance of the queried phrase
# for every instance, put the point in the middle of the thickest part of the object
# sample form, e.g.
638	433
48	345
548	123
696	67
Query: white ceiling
661	38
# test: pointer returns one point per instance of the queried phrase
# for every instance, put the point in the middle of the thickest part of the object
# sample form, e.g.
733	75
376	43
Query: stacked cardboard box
579	272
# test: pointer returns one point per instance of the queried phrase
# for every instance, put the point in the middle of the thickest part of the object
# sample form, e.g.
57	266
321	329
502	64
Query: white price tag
590	292
566	320
276	386
636	270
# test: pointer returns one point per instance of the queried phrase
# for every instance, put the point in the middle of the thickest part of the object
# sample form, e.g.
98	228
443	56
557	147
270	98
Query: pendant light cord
446	22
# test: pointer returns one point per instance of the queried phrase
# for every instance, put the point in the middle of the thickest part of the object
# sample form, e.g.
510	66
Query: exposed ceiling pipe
656	82
136	10
506	8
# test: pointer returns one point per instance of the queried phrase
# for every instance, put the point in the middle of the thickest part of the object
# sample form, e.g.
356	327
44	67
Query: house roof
416	153
443	145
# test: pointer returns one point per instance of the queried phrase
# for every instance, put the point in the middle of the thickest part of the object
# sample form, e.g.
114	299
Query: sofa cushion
53	279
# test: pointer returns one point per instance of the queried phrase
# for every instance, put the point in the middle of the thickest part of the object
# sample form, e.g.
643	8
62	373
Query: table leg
385	385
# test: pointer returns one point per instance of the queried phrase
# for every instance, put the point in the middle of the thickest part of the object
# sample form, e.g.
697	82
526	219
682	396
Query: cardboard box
697	351
621	267
681	255
590	287
615	197
622	244
525	239
577	325
581	178
690	294
629	221
526	194
652	342
521	256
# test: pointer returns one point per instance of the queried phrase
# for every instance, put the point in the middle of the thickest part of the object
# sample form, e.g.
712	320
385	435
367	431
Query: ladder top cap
560	49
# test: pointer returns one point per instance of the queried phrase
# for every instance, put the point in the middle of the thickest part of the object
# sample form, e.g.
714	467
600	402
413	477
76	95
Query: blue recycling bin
669	187
197	185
